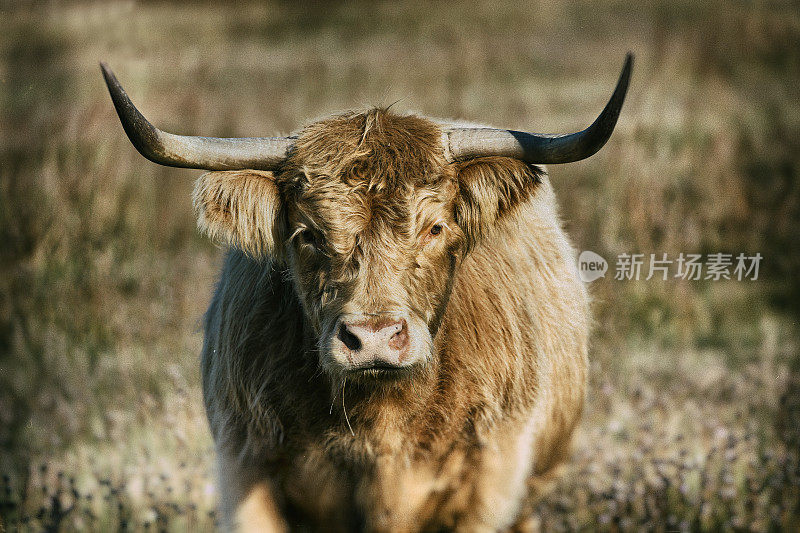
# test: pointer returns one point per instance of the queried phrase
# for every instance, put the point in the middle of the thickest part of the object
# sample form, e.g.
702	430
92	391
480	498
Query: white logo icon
591	266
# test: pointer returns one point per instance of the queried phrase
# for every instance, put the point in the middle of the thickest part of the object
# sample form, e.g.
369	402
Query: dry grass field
693	415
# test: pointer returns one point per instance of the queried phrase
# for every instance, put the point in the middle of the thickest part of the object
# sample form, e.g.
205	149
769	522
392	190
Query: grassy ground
693	418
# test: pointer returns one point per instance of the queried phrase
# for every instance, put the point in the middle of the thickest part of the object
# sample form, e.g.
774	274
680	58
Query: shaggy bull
398	338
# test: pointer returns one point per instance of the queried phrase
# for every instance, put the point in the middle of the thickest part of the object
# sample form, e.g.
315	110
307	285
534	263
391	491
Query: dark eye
436	229
308	237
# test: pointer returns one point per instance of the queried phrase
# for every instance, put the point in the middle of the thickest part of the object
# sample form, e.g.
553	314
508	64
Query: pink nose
374	342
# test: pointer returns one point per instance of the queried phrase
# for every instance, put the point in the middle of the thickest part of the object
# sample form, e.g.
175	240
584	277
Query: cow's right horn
209	153
538	148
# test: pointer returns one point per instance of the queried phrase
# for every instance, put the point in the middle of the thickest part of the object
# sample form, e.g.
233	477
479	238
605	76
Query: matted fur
468	440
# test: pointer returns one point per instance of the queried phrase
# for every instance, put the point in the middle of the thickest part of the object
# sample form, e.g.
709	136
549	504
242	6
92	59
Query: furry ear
490	188
240	208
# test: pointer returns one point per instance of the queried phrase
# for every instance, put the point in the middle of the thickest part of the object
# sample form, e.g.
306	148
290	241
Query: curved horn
209	153
466	143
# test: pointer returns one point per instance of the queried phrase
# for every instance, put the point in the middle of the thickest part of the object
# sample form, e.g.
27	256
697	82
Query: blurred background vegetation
693	418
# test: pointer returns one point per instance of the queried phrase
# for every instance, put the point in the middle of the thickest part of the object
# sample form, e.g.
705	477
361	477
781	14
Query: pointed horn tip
628	66
108	75
621	90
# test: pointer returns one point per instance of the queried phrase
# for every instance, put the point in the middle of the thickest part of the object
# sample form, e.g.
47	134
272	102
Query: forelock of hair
376	150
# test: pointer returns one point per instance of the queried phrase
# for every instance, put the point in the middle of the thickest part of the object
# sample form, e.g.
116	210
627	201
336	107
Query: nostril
399	339
351	341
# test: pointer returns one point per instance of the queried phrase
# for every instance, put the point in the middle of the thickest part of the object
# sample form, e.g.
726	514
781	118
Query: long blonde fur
470	440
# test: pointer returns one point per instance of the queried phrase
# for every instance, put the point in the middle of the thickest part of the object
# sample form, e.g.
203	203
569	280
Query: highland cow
398	339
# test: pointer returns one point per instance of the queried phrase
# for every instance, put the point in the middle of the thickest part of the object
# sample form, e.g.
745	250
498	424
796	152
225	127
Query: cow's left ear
240	208
489	189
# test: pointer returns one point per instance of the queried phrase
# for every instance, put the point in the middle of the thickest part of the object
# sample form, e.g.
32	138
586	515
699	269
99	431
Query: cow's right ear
240	208
489	189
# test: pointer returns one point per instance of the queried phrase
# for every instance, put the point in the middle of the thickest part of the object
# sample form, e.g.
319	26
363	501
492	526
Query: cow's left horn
209	153
467	143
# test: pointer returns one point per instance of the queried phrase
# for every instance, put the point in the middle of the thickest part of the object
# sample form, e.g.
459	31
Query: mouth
380	371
